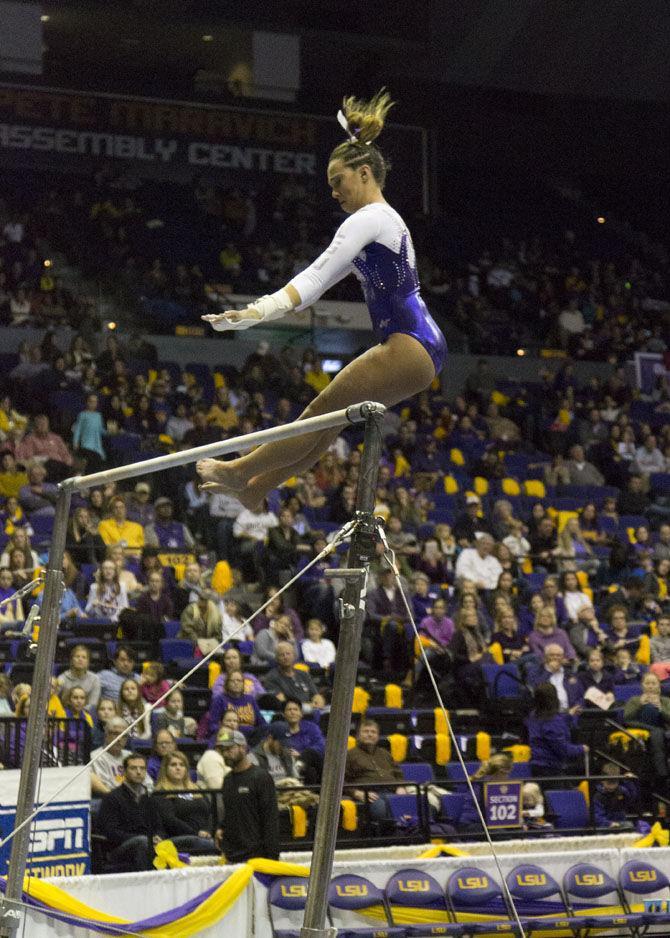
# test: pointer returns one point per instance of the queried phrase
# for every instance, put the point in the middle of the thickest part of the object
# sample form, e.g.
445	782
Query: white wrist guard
273	306
269	307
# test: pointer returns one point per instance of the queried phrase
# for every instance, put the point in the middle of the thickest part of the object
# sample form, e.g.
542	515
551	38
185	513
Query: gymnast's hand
233	319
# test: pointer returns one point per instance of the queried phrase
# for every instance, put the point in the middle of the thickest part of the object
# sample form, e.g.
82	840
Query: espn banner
60	834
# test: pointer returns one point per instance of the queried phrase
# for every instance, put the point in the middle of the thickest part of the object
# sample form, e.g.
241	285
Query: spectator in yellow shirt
119	530
222	413
316	377
12	479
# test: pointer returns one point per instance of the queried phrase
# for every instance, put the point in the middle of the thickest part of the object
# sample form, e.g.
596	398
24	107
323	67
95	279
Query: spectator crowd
530	522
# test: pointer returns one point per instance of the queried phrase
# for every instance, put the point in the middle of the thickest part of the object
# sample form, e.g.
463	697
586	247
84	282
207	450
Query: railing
67	741
418	828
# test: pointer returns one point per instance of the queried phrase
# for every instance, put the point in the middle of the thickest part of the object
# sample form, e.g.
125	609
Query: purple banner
502	804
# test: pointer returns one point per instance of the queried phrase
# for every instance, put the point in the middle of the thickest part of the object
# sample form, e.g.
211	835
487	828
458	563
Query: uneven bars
356	413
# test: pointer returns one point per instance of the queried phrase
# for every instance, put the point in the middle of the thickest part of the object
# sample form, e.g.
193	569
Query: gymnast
376	246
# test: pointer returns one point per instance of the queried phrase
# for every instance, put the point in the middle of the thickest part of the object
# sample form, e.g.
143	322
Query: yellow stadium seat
582	578
361	700
534	488
351	742
393	696
483	746
213	672
441	718
442	749
457	457
519	752
451	486
653	628
584	788
399	745
298	821
643	655
481	485
222	577
349	816
219	380
511	487
562	518
497	397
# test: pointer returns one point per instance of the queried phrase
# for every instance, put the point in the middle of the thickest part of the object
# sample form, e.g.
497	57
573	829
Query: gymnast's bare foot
219	476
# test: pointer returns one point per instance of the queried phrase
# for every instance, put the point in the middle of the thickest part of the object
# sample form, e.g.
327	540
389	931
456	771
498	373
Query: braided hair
363	122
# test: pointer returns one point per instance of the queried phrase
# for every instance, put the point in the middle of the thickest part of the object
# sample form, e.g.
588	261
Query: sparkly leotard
375	244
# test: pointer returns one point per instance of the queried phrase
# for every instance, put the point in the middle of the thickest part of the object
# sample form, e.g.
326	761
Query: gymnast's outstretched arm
305	288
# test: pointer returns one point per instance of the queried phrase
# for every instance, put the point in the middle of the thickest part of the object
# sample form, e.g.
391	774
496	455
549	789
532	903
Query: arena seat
585	883
43	526
539	900
173	648
347	896
287	896
568	807
451	807
623	692
419	772
102	629
390	721
471	892
413	894
407	810
455	771
641	880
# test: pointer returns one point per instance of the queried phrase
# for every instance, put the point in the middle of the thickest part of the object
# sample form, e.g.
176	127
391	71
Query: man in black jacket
251	817
127	819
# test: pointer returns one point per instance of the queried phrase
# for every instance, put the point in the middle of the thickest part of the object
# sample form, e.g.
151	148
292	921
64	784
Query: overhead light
208	37
521	352
47	262
45	17
600	219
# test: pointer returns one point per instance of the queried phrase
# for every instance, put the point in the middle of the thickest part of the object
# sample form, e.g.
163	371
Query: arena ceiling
586	48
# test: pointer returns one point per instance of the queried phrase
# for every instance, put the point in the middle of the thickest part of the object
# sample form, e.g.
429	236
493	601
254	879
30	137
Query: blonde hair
163	783
366	121
532	795
500	762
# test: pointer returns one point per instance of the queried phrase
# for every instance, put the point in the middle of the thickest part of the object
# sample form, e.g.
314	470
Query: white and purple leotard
376	246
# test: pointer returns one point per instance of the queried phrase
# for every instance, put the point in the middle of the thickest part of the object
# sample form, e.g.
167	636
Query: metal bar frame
368	411
361	552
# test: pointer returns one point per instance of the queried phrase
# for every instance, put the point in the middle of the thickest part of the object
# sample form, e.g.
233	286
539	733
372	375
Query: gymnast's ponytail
366	118
363	121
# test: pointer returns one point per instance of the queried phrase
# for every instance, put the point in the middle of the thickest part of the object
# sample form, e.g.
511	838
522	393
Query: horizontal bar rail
356	413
